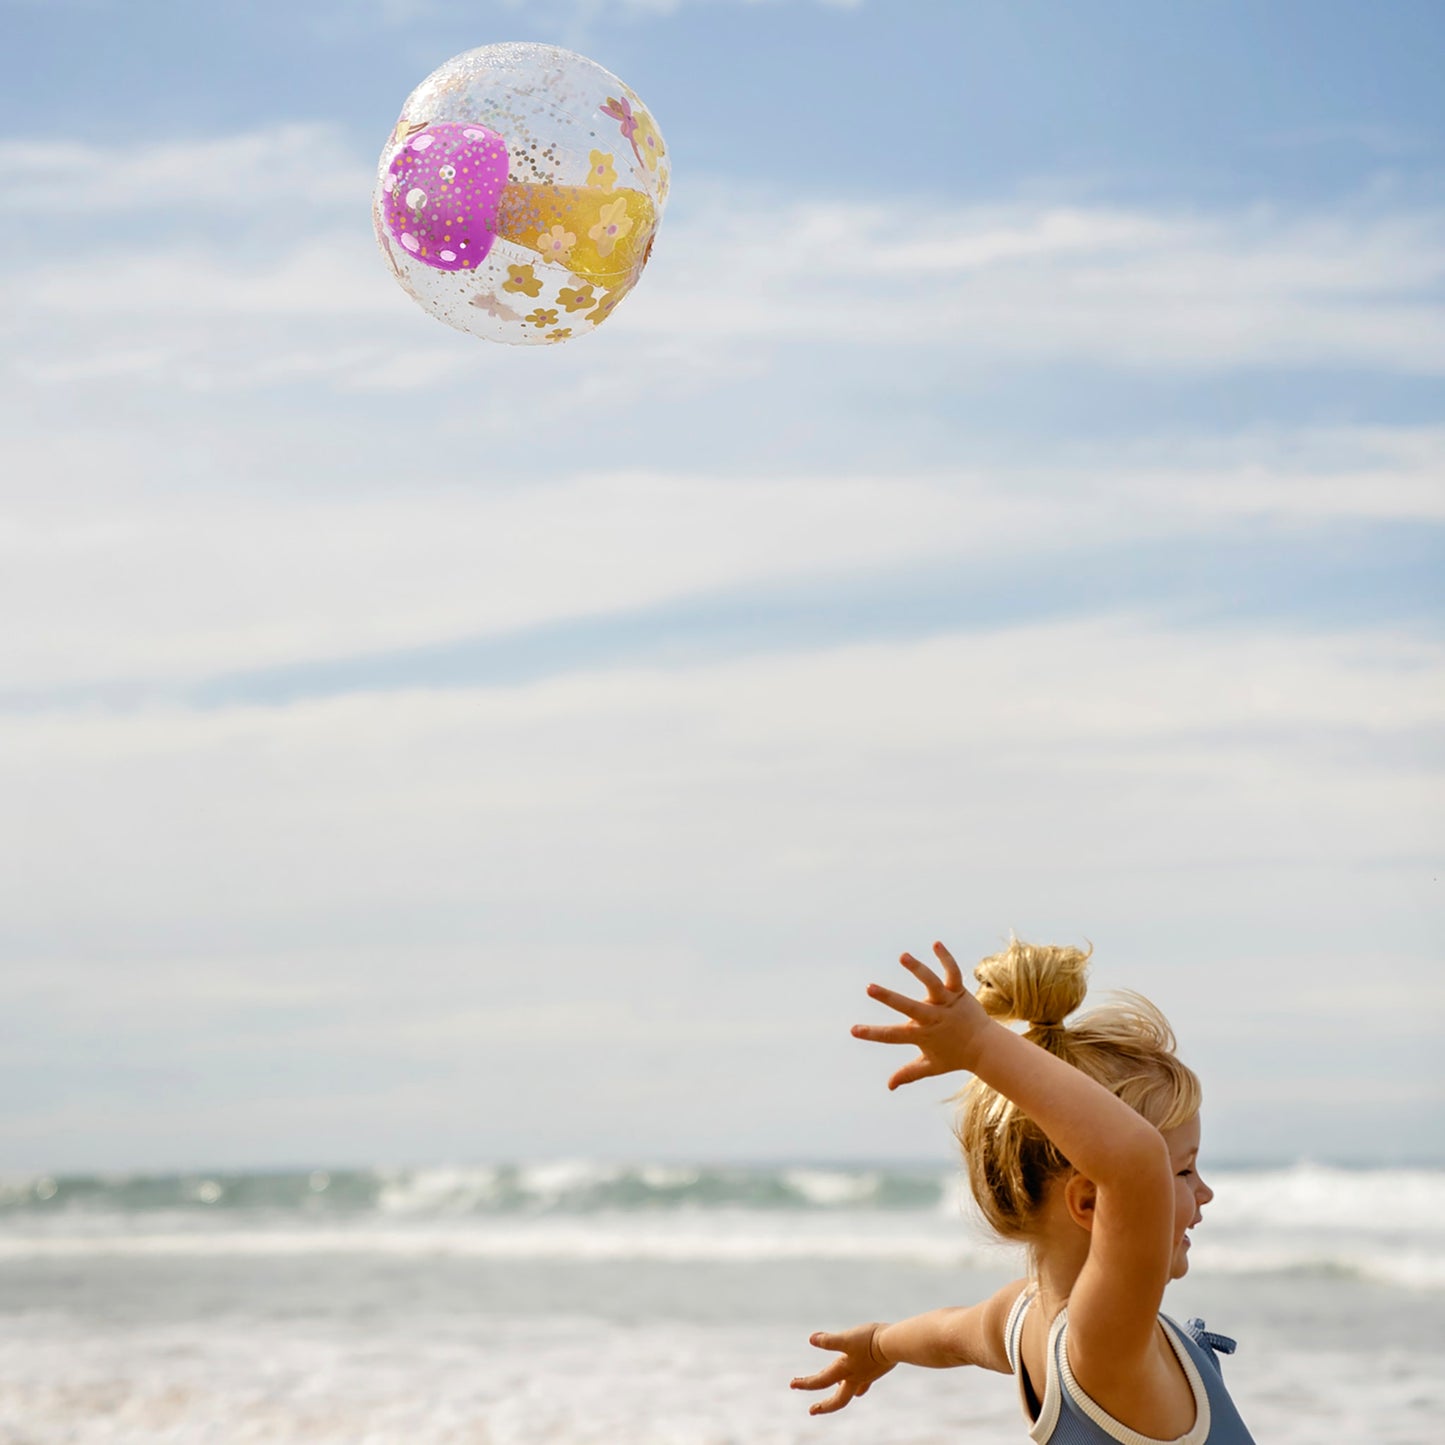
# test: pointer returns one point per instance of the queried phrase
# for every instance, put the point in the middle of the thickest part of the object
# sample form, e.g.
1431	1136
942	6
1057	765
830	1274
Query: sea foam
1383	1225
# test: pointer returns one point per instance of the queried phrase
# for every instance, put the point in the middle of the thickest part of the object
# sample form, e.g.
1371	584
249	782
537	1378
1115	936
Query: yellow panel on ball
601	236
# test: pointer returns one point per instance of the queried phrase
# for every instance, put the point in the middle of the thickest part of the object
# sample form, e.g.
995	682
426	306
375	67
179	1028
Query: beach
585	1303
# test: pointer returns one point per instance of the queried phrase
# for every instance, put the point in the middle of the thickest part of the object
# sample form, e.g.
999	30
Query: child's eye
1186	1173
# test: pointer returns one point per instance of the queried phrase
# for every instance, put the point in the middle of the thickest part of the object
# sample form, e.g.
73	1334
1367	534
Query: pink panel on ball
442	191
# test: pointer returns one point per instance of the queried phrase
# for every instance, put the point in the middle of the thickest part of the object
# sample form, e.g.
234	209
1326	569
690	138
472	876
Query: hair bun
1041	984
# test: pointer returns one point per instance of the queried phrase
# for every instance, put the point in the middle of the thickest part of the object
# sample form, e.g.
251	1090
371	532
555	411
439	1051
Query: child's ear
1080	1195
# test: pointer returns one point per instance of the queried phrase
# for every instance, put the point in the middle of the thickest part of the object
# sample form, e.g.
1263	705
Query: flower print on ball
620	110
601	171
526	171
647	142
556	244
613	225
523	279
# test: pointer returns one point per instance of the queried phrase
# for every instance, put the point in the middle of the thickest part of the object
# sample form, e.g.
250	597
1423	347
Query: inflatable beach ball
519	193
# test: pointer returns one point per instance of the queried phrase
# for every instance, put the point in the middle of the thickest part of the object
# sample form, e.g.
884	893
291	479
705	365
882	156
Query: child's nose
1205	1194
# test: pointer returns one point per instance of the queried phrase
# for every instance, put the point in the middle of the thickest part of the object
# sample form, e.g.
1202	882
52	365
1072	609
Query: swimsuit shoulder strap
1013	1330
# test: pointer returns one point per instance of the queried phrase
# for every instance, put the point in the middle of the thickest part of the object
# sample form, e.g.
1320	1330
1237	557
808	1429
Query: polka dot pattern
441	194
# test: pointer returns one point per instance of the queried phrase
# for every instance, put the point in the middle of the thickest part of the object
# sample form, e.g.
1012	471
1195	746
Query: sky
1012	501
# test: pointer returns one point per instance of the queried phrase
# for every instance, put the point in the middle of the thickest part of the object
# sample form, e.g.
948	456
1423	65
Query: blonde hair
1127	1046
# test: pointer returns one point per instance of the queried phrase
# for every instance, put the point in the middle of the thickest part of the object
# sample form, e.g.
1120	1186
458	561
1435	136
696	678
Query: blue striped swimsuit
1069	1417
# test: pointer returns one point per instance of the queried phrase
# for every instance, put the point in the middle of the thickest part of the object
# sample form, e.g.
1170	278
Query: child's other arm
944	1338
940	1339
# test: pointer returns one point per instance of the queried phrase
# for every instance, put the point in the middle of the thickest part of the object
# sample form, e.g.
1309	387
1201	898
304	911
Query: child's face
1191	1193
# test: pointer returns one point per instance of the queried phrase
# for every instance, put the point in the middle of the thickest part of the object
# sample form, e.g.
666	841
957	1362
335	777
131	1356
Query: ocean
583	1303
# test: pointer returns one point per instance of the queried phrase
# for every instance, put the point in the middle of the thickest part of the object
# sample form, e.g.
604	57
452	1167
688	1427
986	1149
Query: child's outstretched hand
852	1372
945	1027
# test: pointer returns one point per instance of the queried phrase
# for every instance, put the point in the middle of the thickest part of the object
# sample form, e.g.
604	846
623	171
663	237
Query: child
1081	1142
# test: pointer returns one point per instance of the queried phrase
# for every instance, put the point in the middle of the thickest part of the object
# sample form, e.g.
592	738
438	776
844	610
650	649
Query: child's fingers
925	976
835	1401
823	1379
952	974
900	1002
886	1034
920	1068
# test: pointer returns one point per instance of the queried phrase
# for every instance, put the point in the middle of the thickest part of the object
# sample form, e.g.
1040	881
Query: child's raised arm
940	1339
1115	1301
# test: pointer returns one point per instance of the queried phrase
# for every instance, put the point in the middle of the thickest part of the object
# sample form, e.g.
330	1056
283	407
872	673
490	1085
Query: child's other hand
944	1027
852	1372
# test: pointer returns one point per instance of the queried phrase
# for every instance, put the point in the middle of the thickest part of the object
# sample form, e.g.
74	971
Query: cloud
1311	740
327	881
311	577
1258	288
290	167
1375	139
275	578
1015	284
1103	686
1365	472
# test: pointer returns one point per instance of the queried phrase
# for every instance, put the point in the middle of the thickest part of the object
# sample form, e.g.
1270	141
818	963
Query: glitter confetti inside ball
519	193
